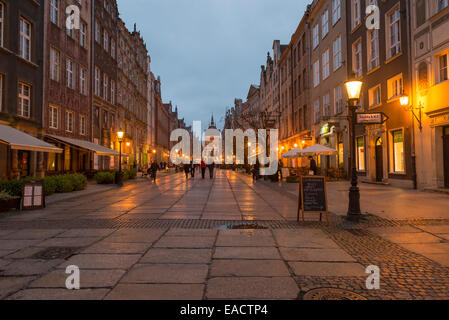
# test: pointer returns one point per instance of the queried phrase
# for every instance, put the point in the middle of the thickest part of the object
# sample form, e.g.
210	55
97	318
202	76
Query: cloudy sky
208	52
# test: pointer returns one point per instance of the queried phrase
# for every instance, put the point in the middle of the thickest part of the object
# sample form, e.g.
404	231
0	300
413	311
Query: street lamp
119	177
353	88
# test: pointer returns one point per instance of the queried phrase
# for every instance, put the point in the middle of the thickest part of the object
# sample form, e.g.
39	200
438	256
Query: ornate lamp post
353	89
119	176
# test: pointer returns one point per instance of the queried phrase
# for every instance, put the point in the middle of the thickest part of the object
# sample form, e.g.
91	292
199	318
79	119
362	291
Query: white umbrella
317	150
293	153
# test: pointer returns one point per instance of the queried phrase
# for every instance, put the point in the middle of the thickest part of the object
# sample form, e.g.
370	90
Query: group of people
189	169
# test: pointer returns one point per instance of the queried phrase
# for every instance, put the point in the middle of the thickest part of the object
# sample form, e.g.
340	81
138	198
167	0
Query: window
360	144
357	58
443	67
105	40
53	117
83	34
325	24
69	70
82	125
24	100
25	39
397	158
393	33
336	11
338	98
54	11
326	105
442	4
97	81
2	22
113	47
374	96
105	86
316	36
420	11
337	53
69	121
1	92
394	87
355	13
373	49
317	110
97	31
112	91
325	62
316	73
54	64
83	81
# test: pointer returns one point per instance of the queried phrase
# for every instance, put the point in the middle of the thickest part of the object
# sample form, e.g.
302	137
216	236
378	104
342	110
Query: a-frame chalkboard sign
313	196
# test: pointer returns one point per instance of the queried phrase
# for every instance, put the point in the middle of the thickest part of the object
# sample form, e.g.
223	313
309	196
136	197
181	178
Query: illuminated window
53	117
69	121
395	87
398	161
360	144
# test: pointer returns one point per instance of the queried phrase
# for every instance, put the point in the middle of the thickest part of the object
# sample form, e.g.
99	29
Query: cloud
208	52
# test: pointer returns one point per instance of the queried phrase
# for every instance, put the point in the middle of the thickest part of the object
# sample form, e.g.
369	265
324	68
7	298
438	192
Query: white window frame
69	123
105	40
373	49
324	24
70	74
105	86
356	15
83	125
443	70
54	11
97	31
316	35
55	58
441	4
325	64
373	94
357	57
337	53
317	110
97	81
395	86
53	115
393	25
393	168
83	34
25	39
316	73
22	98
358	155
327	105
83	80
338	99
336	11
112	91
113	44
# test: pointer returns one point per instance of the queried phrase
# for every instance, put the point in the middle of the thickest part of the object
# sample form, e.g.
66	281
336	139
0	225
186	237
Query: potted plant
8	202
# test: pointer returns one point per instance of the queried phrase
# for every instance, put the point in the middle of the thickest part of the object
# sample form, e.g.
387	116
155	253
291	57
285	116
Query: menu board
33	195
313	196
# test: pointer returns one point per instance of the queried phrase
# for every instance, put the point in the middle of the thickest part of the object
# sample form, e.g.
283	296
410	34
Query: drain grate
332	294
56	253
244	226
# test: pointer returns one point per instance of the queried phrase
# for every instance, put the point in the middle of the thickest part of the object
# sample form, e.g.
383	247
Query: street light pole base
354	212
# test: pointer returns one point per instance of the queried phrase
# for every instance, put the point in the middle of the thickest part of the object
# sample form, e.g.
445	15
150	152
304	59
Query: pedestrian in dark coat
256	171
211	170
203	169
313	166
187	170
153	170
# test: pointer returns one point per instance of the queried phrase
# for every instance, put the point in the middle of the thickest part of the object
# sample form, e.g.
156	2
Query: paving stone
24	253
191	233
304	238
389	230
118	248
88	279
252	288
135	235
177	256
331	255
4	233
67	242
245	238
16	244
249	268
428	248
59	294
420	238
326	269
172	292
185	242
9	285
4	253
88	233
102	261
28	267
257	253
32	234
167	273
4	263
443	229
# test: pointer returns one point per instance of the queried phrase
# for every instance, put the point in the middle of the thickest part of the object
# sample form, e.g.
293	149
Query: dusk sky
208	52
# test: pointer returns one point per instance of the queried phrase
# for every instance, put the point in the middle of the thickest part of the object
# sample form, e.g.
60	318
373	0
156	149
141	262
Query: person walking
313	166
256	170
203	169
153	170
211	170
192	169
187	170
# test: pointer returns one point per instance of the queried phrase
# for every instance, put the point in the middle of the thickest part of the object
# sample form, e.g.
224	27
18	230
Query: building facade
328	55
67	94
430	49
21	83
380	58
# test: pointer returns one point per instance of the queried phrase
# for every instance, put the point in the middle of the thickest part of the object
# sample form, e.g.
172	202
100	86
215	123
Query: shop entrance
379	160
446	156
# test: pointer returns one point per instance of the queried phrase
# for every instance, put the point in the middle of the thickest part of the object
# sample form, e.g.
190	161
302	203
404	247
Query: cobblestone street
188	240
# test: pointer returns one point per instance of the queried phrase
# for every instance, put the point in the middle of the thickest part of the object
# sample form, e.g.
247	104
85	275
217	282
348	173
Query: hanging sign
371	118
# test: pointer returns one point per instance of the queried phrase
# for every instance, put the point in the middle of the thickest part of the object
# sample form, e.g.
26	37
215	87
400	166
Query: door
446	156
24	163
379	160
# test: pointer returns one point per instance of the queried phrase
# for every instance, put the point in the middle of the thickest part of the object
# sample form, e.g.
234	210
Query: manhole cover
56	253
332	294
251	226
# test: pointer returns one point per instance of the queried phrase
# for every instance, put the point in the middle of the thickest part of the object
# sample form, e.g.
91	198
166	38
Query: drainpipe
410	76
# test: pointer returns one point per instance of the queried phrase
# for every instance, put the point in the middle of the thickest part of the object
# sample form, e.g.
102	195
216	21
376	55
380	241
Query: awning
19	140
99	150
